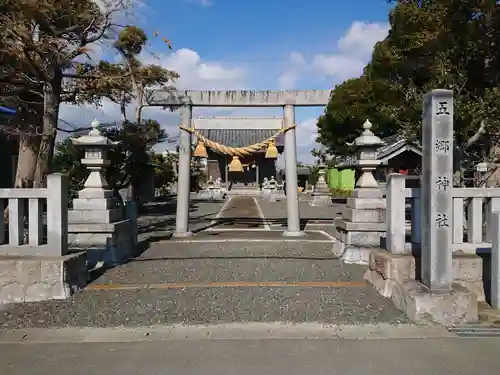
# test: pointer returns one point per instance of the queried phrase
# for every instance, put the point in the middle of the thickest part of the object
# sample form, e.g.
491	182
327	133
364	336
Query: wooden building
255	167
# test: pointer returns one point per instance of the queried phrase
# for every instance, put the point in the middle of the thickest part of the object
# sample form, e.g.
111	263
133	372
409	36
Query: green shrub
340	193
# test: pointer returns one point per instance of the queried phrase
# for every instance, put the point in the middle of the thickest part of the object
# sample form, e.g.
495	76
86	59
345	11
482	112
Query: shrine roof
240	138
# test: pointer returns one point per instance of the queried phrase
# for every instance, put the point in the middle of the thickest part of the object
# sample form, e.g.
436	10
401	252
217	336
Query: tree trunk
51	93
26	161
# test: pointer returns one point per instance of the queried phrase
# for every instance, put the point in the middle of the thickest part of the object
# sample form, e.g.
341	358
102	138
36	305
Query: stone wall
31	279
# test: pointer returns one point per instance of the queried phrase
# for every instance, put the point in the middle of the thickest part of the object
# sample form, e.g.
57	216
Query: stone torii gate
246	98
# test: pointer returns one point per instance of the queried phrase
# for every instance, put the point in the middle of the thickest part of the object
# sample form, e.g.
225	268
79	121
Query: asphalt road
443	356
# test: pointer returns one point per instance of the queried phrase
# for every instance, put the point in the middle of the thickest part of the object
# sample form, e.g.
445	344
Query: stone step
229	256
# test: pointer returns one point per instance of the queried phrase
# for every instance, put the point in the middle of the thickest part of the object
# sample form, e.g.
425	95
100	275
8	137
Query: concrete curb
234	331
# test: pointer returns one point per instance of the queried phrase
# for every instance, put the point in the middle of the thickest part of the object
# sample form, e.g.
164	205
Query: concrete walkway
443	356
240	213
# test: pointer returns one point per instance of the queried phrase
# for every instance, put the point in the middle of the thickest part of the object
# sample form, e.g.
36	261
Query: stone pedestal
386	270
321	195
265	192
454	307
271	198
99	226
361	226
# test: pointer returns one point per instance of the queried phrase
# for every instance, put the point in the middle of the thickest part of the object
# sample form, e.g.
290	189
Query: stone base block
357	215
383	286
488	314
459	306
359	238
95	216
321	200
467	269
363	227
265	193
113	247
33	278
356	255
367	193
366	204
94	203
95	193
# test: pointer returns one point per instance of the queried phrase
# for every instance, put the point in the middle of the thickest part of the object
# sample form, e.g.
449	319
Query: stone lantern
366	152
363	219
97	223
321	194
96	147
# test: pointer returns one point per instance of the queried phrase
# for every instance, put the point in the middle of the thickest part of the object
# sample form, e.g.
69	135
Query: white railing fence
470	221
40	242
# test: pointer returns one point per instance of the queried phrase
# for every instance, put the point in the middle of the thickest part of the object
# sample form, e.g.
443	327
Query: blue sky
273	44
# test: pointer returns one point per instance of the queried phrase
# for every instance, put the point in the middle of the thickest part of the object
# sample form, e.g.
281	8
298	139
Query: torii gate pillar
292	194
184	175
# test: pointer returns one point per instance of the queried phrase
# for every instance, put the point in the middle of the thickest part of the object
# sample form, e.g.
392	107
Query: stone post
184	176
436	296
321	194
437	184
363	220
395	213
57	214
292	195
96	222
127	196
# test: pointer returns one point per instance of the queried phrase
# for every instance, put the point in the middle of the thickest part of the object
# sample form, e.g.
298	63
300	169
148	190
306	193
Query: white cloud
198	74
353	52
297	64
195	73
307	133
203	3
361	37
339	66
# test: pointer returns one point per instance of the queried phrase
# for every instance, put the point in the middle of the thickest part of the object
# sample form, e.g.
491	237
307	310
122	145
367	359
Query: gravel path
277	210
214	262
240	212
168	262
206	305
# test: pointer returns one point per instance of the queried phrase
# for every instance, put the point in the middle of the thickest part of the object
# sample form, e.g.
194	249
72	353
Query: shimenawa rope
236	151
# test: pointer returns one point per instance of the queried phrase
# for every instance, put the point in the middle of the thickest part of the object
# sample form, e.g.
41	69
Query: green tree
45	42
129	159
431	44
163	170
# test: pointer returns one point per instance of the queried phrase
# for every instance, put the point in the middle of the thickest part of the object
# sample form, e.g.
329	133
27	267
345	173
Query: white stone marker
437	180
